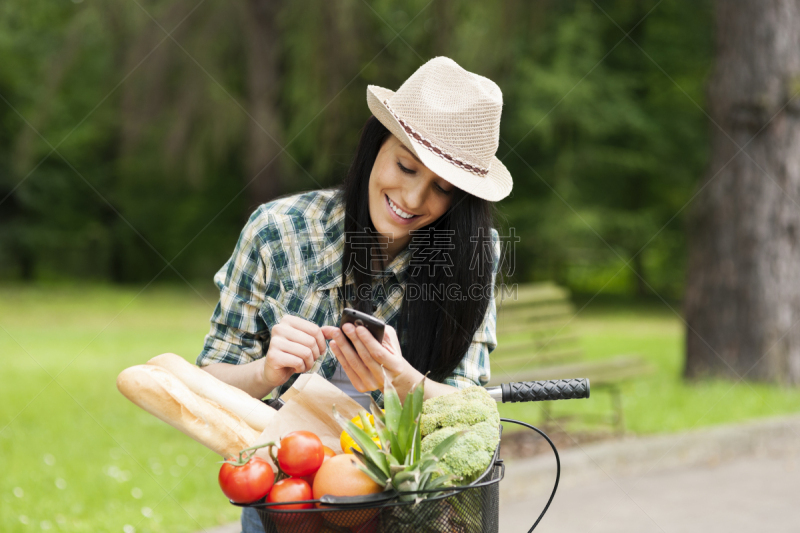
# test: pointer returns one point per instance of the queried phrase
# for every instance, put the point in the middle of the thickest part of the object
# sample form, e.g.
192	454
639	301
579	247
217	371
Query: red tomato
247	483
301	453
310	478
290	490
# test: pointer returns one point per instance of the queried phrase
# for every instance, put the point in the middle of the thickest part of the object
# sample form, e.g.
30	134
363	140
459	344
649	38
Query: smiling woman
413	214
408	237
432	239
404	194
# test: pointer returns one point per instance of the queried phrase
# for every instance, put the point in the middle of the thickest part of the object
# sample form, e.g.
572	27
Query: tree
263	86
742	302
165	111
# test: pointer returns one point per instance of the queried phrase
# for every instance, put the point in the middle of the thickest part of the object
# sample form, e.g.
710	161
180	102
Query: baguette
165	396
255	412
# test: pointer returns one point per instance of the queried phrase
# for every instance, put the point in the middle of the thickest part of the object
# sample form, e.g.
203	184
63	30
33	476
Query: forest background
137	137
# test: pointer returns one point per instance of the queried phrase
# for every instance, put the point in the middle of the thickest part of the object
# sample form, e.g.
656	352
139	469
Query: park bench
537	341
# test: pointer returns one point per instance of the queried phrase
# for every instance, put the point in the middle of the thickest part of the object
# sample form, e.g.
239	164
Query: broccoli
465	407
470	409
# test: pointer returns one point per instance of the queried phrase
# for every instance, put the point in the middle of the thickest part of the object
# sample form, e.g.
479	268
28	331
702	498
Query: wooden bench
537	340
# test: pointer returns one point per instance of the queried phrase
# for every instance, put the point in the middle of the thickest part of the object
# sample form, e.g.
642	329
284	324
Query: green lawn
76	456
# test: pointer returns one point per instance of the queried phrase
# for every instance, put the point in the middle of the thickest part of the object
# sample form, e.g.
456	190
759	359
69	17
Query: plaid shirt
289	260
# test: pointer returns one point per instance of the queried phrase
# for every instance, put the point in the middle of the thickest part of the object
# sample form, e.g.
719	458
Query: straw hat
450	119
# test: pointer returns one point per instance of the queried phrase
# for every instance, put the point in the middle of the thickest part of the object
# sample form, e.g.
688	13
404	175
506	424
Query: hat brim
494	186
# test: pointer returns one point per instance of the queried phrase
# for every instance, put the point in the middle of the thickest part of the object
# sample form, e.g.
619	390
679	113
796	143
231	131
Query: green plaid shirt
289	260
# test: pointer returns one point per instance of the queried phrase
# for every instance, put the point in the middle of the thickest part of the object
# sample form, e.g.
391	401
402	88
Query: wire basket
473	508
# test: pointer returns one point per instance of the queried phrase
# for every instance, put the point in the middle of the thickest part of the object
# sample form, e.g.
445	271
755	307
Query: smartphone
357	318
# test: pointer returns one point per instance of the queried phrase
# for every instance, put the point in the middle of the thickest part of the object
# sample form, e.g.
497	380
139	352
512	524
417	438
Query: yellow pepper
347	441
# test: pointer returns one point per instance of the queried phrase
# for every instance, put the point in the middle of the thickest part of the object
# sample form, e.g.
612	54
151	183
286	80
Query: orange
328	454
340	476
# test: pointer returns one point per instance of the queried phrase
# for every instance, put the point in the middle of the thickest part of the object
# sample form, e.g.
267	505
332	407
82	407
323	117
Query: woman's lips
397	218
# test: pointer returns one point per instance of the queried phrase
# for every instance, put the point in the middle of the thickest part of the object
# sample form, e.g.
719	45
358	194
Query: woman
408	238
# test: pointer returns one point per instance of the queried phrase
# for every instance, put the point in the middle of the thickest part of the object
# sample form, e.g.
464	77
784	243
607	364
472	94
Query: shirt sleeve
474	368
238	333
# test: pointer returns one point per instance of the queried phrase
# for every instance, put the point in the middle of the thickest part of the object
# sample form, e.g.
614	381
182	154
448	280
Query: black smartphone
357	318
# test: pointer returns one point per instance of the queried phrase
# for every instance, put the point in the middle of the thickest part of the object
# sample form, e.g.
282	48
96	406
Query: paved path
734	479
746	495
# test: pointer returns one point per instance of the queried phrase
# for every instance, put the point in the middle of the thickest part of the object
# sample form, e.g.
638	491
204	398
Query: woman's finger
371	344
390	332
301	351
371	359
283	360
355	379
308	327
301	337
328	331
337	352
381	355
361	349
390	340
387	353
353	359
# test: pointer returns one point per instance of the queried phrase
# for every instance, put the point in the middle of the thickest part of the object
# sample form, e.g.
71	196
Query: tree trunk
742	301
264	144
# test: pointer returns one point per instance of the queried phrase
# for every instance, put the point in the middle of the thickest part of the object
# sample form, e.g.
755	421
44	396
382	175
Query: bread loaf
255	412
163	395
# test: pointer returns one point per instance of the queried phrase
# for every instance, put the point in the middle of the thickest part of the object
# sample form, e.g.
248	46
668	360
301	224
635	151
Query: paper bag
308	407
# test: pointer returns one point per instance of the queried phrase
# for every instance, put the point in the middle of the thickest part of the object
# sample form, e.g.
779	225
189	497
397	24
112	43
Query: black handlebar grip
539	391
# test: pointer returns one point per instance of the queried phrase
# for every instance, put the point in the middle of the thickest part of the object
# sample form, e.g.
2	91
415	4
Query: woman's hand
362	361
295	344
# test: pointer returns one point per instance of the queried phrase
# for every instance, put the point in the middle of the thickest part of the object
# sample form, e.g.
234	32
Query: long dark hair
437	325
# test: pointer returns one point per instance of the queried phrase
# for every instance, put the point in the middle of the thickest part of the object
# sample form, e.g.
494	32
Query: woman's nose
415	196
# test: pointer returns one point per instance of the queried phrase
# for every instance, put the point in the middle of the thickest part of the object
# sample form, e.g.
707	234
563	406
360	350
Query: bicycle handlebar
522	391
539	391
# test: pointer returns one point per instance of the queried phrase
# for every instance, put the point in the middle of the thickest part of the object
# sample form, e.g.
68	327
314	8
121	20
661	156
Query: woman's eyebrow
404	147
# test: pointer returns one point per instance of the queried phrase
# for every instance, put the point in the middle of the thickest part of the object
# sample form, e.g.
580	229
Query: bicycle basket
472	508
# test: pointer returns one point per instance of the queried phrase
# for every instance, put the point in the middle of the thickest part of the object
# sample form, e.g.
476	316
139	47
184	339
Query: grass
662	402
76	456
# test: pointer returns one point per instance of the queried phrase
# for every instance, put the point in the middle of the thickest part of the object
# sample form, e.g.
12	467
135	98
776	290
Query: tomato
301	453
290	490
246	483
328	454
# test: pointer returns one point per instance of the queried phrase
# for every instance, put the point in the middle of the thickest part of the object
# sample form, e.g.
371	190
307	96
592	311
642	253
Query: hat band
474	169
